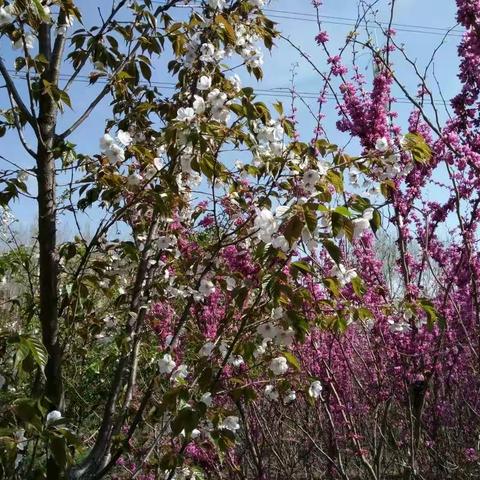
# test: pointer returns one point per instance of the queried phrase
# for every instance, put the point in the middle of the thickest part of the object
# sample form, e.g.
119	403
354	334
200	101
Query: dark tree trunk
47	239
47	233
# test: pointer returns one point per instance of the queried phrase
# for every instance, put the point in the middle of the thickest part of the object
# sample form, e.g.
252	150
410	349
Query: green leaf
293	230
358	287
302	266
332	285
431	313
187	419
343	211
278	106
40	10
311	220
419	149
292	360
221	20
333	250
376	221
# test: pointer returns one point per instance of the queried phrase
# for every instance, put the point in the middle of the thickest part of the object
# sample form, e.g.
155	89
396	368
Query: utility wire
277	92
335	20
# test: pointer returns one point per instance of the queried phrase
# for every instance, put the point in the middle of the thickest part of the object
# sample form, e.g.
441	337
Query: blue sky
295	21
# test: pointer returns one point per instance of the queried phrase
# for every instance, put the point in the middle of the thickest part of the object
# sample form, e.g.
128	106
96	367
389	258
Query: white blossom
271	394
236	82
5	16
290	397
106	142
180	373
315	389
110	149
381	144
267	330
231	283
204	83
285	337
236	361
343	274
310	179
279	365
166	364
230	423
353	175
261	349
206	399
217	98
220	4
198	105
165	241
363	223
253	56
53	416
277	313
281	243
265	224
206	287
115	154
207	51
124	138
221	115
185	114
29	42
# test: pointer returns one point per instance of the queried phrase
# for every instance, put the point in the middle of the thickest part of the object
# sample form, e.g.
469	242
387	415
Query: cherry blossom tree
243	325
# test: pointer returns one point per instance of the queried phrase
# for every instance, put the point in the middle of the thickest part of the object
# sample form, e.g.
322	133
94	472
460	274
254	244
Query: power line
276	92
344	21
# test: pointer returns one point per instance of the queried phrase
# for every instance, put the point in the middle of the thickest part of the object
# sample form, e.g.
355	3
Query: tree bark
47	233
47	239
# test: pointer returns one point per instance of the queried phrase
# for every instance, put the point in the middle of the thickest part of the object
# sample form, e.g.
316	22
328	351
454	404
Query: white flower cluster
343	274
370	188
311	177
217	4
265	228
315	389
206	288
206	52
217	101
208	347
362	223
167	366
279	335
115	150
7	15
231	423
26	42
53	417
246	41
279	366
270	141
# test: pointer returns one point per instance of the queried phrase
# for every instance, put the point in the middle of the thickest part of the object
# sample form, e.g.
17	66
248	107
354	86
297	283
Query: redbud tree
231	315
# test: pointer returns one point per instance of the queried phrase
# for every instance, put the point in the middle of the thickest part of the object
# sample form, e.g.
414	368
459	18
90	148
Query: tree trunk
47	239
